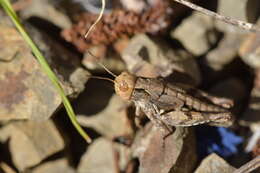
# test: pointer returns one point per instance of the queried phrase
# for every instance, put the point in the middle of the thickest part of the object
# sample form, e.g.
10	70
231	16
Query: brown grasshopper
169	105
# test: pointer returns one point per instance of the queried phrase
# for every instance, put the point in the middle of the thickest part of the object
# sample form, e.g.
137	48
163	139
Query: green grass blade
9	10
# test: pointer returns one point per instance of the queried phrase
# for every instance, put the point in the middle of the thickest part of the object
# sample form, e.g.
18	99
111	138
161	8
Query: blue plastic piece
218	140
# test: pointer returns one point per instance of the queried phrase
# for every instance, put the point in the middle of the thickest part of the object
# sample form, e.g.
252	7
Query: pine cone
117	24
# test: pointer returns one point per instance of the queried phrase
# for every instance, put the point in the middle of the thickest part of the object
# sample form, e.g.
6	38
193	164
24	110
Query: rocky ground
156	38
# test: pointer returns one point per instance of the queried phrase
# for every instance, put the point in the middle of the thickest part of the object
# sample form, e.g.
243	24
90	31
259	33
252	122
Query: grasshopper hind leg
138	117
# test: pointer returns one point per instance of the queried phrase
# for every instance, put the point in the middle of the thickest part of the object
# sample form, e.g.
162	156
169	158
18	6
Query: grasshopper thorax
124	85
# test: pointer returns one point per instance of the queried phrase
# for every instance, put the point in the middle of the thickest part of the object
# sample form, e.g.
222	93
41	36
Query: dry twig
98	19
229	20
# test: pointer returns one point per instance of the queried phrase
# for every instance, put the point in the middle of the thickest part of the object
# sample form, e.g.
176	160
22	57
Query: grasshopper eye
124	85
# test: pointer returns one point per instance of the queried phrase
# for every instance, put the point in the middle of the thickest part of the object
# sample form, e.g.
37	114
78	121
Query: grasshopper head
124	85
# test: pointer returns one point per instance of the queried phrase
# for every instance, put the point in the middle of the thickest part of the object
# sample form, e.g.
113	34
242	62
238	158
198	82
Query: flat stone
225	52
77	79
100	157
157	154
124	155
46	10
101	55
31	142
112	121
153	58
250	50
26	91
55	166
98	54
10	43
214	163
65	63
199	40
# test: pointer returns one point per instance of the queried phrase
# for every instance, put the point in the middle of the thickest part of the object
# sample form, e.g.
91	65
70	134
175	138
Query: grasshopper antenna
110	72
102	78
102	65
91	28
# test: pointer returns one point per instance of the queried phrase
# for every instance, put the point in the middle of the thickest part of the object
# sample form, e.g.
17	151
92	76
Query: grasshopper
171	104
168	105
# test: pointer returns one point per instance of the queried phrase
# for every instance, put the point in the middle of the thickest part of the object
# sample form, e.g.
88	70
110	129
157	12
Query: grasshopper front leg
152	113
138	115
143	103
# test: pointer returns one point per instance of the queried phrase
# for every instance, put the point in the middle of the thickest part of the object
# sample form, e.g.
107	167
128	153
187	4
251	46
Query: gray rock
10	43
100	157
110	60
225	52
195	33
160	154
98	54
148	58
26	91
134	5
78	78
31	142
65	63
45	9
111	122
56	166
250	50
124	155
214	163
